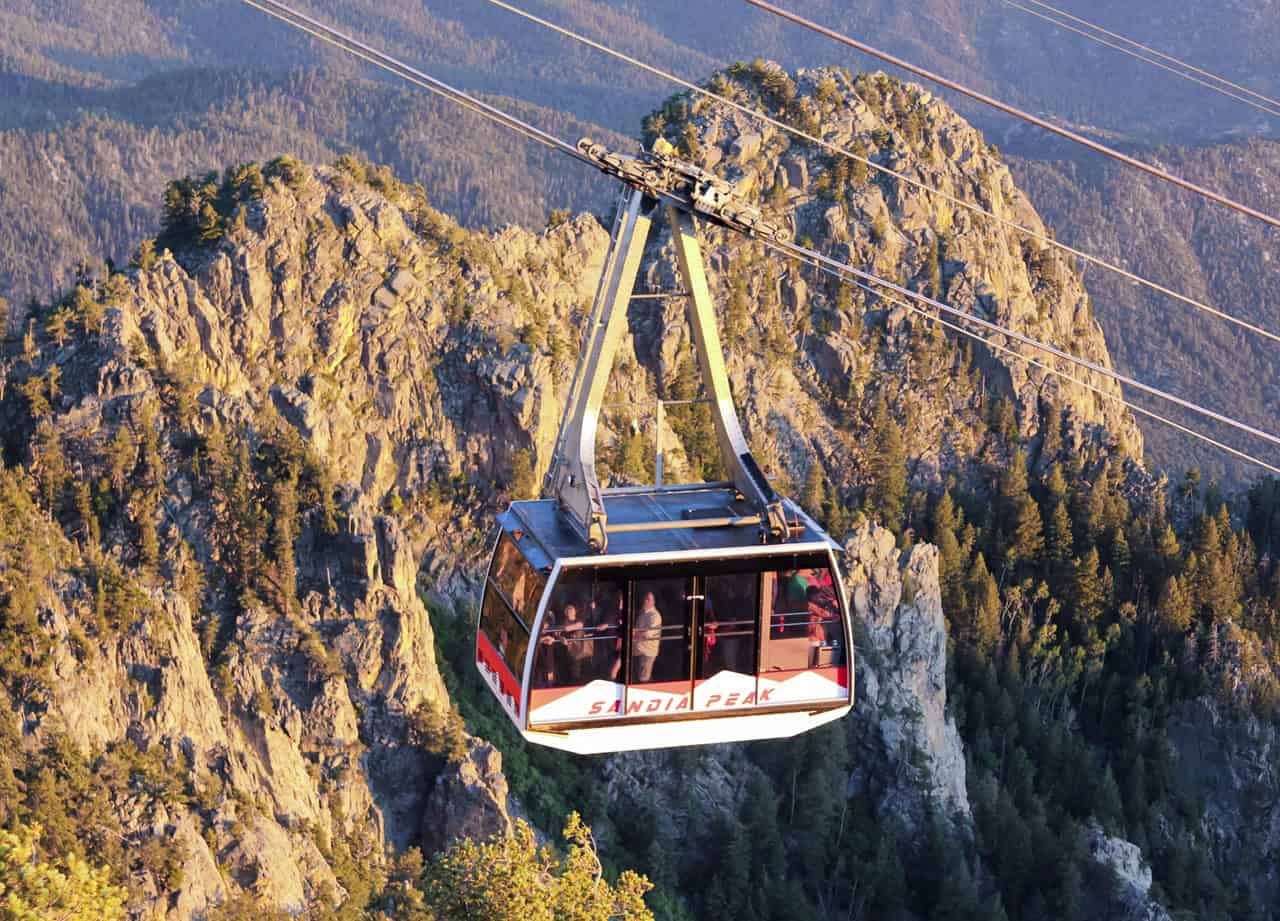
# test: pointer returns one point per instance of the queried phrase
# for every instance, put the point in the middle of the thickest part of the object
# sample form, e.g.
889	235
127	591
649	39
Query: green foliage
288	170
887	466
145	257
67	888
523	479
439	731
510	878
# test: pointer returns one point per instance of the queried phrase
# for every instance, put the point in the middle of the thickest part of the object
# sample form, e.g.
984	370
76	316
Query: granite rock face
901	690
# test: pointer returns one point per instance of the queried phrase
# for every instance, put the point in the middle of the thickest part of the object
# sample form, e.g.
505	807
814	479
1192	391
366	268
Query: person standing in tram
577	648
817	631
647	634
546	675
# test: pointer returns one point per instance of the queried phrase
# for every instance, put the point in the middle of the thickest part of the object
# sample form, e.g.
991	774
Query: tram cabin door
693	644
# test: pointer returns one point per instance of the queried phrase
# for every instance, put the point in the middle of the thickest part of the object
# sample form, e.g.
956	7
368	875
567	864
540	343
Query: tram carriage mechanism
656	616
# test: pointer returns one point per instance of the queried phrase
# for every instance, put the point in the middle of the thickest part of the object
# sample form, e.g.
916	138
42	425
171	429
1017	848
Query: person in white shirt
646	636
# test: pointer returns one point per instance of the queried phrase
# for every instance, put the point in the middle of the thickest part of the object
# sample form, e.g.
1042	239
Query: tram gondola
656	616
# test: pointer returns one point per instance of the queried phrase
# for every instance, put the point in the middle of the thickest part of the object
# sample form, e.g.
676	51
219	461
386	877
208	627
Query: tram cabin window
730	616
659	631
802	621
582	634
510	604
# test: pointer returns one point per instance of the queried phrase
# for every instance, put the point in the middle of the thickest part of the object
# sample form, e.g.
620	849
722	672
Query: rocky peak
851	346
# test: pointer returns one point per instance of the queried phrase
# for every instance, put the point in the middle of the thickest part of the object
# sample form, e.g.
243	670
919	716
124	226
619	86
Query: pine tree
145	257
68	888
1175	607
86	309
1091	504
1021	537
887	462
814	492
58	326
1168	551
984	600
1088	600
950	556
121	457
284	531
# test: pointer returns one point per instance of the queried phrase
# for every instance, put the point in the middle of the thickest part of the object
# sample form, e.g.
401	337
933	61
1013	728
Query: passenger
710	624
577	646
817	631
789	601
545	672
647	635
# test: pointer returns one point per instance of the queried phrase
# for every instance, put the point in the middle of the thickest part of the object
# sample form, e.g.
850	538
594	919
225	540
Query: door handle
694	597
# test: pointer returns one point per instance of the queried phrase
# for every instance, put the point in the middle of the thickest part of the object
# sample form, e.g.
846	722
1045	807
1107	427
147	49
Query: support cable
332	36
817	259
888	171
1148	168
825	263
1188	71
1071	378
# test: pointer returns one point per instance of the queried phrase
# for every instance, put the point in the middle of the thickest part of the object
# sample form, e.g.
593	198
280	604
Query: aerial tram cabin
656	616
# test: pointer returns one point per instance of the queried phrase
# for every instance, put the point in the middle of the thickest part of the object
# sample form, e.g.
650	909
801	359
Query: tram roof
549	535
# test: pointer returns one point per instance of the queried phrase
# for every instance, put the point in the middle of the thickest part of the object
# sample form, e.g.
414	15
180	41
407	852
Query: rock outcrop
901	712
1132	878
1232	758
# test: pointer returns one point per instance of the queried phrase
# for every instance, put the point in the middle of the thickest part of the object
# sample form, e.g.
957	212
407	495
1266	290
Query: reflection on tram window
802	621
512	573
504	630
581	637
730	614
659	631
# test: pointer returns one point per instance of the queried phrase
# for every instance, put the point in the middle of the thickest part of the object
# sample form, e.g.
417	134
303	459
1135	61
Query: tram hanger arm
686	190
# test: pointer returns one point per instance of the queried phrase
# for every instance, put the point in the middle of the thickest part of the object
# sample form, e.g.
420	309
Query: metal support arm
735	454
572	477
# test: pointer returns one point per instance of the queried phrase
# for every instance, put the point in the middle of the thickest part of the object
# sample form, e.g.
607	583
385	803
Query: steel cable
1008	109
888	171
1271	105
325	33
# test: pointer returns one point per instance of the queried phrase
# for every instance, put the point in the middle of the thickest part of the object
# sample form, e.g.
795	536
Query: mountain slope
244	461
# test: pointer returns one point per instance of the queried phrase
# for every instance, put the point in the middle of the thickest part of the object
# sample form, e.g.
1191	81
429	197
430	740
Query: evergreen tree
887	463
1021	537
950	556
984	600
1175	607
66	889
511	878
58	326
284	531
145	257
1088	600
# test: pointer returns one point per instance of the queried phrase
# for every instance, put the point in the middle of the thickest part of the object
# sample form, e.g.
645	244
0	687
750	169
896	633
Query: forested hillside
240	471
1197	248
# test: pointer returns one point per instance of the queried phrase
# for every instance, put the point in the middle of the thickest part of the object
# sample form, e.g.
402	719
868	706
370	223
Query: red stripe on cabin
489	657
